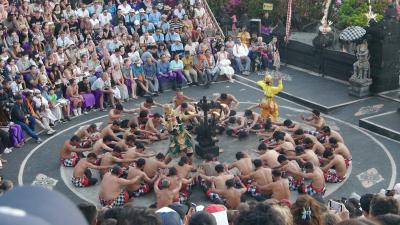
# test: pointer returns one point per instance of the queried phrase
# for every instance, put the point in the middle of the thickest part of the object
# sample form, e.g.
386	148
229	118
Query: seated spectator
21	116
158	36
241	52
146	39
262	214
119	82
150	72
191	47
223	64
41	120
147	26
163	50
86	93
307	209
177	47
101	88
129	80
76	99
176	66
188	70
139	77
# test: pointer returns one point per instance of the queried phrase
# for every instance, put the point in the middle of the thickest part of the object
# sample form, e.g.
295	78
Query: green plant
353	12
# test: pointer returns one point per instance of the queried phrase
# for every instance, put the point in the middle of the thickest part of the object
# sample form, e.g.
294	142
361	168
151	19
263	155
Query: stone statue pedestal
359	87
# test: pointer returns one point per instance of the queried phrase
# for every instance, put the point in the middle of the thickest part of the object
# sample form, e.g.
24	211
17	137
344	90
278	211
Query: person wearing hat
142	15
268	105
130	20
177	47
164	195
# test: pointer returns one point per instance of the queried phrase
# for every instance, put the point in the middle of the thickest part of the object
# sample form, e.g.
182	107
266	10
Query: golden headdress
268	78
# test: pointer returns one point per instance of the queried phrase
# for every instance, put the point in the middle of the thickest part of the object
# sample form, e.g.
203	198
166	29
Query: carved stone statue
362	70
361	80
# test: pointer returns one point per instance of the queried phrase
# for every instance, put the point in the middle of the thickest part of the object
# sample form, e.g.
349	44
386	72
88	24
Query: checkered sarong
332	177
80	181
143	189
213	196
312	191
119	201
252	190
293	183
69	162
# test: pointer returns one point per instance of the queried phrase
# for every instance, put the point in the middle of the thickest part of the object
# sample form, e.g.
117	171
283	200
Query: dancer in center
269	108
181	141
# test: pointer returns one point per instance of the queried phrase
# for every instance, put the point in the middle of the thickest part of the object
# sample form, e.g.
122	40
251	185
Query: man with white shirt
82	12
146	39
241	52
101	87
125	8
105	18
63	41
116	57
179	12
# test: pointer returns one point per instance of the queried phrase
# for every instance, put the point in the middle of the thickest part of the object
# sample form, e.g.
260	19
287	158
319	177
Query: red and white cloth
288	20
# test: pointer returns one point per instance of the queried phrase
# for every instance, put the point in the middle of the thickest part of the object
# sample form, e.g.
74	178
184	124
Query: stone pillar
383	40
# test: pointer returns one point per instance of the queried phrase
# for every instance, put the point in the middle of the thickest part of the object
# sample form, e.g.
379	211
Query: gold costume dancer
269	108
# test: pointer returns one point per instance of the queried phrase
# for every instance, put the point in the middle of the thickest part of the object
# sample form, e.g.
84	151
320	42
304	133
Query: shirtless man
287	165
335	170
180	98
244	164
143	185
316	147
140	135
127	143
299	135
228	100
289	126
340	149
102	145
183	168
307	155
110	158
82	176
69	152
277	133
261	175
112	129
236	127
185	184
188	114
218	181
266	131
137	151
230	194
253	121
148	104
165	196
284	147
207	167
269	157
153	123
112	193
115	114
87	132
316	176
326	133
278	189
152	165
315	120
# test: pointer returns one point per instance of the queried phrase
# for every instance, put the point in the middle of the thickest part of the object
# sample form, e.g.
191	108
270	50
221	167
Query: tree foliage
353	12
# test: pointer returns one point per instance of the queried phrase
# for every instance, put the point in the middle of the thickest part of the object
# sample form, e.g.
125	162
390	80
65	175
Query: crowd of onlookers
61	59
369	209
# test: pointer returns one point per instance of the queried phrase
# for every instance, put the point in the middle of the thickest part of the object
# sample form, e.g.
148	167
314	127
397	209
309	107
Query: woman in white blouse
223	63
